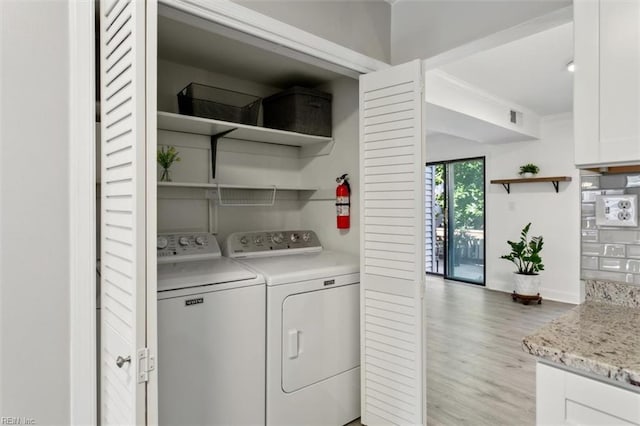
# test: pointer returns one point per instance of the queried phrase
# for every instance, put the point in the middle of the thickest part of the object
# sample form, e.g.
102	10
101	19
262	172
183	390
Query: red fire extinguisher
343	201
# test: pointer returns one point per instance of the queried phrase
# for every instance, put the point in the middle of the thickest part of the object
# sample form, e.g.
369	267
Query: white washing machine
211	335
313	326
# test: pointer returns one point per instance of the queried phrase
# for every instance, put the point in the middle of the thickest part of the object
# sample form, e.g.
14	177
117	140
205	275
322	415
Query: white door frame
83	365
82	213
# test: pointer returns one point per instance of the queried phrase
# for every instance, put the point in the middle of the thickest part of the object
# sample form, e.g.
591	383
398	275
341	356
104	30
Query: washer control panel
184	247
267	243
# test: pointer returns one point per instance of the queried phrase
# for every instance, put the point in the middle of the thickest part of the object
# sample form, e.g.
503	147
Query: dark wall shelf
555	180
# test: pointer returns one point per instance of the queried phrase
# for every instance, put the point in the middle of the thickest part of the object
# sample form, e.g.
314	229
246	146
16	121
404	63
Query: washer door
320	335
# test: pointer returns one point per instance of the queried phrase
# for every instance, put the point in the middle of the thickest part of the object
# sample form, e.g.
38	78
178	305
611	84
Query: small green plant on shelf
166	157
525	254
529	170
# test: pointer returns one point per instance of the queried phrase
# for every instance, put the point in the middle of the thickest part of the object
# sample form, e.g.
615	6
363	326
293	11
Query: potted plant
166	157
525	254
529	170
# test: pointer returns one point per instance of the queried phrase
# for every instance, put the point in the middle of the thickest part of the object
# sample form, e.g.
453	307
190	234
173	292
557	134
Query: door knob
121	361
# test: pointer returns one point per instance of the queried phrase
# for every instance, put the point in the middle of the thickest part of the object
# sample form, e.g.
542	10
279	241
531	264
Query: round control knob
183	241
244	240
258	241
306	236
200	240
295	237
277	238
162	243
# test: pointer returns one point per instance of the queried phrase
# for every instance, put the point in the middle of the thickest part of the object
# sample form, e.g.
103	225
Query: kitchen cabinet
607	82
567	398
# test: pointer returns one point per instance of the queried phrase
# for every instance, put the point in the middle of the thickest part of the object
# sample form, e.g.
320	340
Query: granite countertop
601	336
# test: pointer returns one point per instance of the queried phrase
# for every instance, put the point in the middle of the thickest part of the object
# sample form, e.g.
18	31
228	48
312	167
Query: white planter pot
527	285
528	175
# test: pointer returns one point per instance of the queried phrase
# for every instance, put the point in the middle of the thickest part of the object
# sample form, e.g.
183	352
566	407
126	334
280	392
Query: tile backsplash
608	253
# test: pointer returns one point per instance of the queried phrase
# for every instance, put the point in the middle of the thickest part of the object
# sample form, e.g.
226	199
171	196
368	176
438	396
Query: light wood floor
477	373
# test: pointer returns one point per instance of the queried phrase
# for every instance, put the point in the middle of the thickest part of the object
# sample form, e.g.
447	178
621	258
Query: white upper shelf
206	126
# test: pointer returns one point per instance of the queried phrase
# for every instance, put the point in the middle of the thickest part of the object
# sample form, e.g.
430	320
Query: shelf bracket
507	187
214	149
556	185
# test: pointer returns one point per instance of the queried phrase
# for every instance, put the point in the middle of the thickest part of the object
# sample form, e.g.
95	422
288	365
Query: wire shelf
231	196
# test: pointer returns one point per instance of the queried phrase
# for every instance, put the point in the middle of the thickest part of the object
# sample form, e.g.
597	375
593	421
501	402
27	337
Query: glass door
435	219
455	219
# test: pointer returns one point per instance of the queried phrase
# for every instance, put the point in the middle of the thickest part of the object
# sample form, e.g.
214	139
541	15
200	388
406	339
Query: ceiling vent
515	117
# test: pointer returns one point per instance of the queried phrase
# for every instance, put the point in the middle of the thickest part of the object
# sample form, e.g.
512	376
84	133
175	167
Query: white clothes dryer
313	326
211	335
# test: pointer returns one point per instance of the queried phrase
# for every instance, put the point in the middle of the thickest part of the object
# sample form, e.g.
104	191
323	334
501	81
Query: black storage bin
299	110
219	104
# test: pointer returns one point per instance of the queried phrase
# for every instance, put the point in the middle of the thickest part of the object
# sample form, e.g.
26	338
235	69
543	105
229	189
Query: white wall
361	25
34	200
554	216
321	172
421	29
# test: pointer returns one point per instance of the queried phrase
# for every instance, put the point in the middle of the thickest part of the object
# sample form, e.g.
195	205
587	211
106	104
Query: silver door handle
121	361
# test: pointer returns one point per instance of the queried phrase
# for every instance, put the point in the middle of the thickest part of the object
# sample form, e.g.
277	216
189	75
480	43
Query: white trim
282	38
151	222
1	120
525	29
82	226
547	293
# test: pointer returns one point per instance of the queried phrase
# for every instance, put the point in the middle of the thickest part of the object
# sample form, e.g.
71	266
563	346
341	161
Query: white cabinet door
586	93
565	398
607	82
619	80
127	197
392	246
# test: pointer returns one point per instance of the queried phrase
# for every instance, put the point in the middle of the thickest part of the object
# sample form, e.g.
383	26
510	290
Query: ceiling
530	72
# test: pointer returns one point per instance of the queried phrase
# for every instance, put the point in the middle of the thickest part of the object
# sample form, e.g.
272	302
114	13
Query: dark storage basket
299	110
220	104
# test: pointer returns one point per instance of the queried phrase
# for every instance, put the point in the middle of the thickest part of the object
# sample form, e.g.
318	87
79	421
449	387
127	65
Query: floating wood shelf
555	180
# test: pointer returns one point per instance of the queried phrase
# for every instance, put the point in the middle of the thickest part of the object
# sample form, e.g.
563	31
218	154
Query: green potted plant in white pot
525	254
529	170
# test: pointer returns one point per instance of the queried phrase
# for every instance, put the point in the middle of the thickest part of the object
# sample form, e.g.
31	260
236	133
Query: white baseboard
547	293
507	287
560	296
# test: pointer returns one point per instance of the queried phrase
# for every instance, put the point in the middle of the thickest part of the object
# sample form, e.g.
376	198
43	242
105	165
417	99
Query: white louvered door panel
123	247
392	247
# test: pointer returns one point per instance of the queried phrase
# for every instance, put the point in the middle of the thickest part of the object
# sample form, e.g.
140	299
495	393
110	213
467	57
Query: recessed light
571	67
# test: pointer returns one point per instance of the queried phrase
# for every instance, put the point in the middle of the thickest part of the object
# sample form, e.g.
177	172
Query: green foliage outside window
468	197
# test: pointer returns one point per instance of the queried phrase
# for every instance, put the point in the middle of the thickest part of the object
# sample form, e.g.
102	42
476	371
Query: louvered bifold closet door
392	246
123	220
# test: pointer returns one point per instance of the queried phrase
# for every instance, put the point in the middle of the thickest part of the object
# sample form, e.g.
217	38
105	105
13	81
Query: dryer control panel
187	247
271	243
